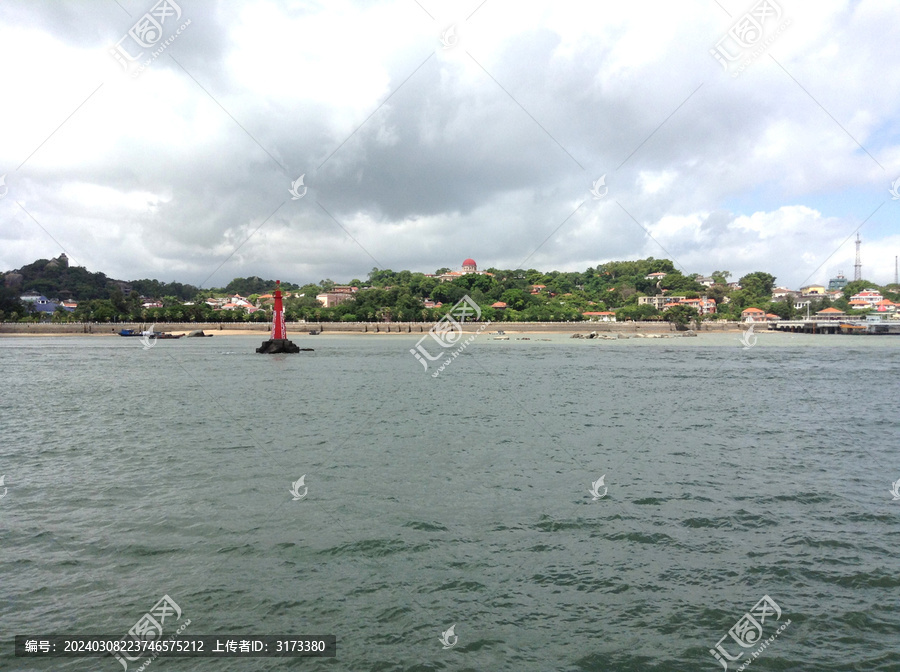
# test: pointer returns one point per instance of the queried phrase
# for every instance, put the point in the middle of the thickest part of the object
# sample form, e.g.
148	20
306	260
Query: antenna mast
857	267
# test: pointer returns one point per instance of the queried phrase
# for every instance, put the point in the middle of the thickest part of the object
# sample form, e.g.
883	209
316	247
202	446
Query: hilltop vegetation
529	294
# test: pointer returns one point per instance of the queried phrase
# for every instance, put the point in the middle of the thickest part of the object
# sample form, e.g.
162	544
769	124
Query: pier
832	326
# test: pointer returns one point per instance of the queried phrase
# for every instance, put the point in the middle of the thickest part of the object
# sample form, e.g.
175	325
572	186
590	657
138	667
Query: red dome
469	262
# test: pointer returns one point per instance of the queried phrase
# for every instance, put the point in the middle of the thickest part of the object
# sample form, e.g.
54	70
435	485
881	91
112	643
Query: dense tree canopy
529	295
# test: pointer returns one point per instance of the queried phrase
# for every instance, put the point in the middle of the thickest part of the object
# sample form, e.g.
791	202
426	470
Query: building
870	296
600	316
813	290
499	305
39	303
781	292
655	276
657	301
704	305
705	280
837	282
831	314
331	299
753	315
468	266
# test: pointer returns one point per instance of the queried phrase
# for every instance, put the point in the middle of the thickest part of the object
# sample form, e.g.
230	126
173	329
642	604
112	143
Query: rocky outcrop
275	346
13	280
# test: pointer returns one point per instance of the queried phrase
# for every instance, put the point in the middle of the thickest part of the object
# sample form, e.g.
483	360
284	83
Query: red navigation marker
278	342
278	331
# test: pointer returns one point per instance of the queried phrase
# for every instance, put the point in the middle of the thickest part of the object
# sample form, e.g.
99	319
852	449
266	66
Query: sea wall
98	328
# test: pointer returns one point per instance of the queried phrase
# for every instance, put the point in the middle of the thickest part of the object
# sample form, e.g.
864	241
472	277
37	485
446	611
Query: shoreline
262	329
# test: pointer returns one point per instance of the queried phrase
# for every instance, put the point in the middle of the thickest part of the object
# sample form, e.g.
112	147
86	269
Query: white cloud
466	158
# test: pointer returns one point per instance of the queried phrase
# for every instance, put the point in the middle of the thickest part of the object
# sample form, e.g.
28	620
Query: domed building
468	266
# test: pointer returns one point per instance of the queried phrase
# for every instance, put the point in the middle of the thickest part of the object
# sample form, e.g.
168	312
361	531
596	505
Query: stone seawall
97	328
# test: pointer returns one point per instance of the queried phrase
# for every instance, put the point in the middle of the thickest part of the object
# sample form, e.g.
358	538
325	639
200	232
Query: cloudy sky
428	132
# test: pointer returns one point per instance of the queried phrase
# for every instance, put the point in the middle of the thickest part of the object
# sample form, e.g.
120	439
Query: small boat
163	336
501	338
130	332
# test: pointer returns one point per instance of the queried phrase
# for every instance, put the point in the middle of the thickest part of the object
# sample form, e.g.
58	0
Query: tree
856	286
720	277
10	304
515	299
757	286
680	315
637	312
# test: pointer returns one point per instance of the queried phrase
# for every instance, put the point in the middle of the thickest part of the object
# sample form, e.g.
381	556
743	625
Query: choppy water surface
462	499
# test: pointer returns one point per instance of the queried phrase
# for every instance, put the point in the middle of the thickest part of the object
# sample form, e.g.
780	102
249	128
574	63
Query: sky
166	140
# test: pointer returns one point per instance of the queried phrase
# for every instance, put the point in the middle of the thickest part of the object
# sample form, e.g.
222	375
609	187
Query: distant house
753	315
781	292
658	301
600	315
331	299
239	300
871	296
152	304
705	280
499	305
704	305
537	289
813	290
39	303
655	276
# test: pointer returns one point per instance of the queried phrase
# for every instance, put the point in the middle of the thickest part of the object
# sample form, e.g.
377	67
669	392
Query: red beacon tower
278	342
278	332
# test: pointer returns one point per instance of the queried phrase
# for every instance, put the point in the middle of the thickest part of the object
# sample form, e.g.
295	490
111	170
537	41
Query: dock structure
832	326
